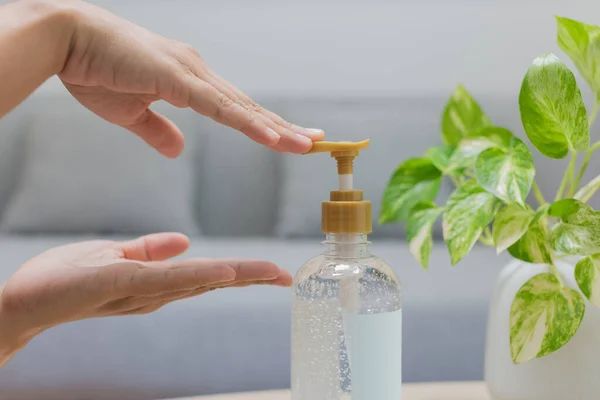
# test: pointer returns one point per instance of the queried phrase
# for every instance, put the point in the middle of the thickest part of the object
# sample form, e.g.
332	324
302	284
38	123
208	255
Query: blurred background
373	69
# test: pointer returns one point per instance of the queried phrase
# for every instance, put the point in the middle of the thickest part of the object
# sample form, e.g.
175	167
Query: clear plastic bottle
346	325
347	303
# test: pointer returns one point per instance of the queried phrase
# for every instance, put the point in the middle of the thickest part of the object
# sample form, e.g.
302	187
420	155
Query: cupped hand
117	69
105	278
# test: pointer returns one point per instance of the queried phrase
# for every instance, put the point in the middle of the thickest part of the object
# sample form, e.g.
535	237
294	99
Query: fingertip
285	279
314	134
156	246
224	273
271	137
159	132
303	144
272	271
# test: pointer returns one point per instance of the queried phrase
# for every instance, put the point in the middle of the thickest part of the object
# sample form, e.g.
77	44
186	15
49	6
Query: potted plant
543	333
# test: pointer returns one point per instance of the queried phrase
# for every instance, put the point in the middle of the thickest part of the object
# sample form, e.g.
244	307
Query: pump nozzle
346	212
344	153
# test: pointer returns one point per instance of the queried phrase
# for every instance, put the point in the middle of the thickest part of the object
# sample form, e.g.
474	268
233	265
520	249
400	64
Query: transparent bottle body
346	325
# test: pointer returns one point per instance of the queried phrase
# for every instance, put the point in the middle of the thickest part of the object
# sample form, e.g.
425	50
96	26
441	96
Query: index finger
205	99
154	278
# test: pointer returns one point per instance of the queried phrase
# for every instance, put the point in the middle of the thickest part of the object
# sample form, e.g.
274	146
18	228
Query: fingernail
305	140
312	133
273	136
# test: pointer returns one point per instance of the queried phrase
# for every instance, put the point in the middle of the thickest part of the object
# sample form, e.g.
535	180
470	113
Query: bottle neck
343	245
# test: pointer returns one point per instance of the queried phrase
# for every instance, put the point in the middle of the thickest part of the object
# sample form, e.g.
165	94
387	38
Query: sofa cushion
83	174
239	182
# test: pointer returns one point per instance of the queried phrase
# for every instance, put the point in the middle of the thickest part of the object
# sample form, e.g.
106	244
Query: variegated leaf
471	146
578	231
418	231
587	275
440	156
469	211
533	246
544	316
414	181
462	117
582	43
552	109
467	151
506	173
509	225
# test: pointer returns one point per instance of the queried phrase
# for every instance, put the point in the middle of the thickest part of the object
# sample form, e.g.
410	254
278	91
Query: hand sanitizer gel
347	303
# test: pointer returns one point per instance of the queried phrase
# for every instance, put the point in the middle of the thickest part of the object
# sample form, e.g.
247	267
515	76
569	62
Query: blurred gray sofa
61	183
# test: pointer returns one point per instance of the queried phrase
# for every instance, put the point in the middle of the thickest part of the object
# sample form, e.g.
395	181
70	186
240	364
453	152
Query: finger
255	270
159	132
128	304
293	138
158	277
154	278
241	98
248	270
155	247
207	100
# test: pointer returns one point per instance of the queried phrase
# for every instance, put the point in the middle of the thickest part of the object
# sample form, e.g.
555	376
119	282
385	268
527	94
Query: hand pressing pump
347	303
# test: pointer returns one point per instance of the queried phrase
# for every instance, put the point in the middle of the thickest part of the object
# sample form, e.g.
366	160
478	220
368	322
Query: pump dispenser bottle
347	303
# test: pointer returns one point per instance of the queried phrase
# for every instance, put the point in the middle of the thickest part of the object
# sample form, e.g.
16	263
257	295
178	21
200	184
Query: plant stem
586	160
566	177
586	192
556	273
593	148
486	238
590	193
594	113
539	196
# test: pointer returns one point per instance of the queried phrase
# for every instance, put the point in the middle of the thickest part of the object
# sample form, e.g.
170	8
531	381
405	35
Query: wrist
12	339
55	20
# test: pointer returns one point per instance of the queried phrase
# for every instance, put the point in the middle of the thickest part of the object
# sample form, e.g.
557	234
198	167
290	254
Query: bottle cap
346	211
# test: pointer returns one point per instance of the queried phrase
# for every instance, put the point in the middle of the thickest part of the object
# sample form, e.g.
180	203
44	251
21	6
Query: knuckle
255	107
286	124
247	123
223	103
188	48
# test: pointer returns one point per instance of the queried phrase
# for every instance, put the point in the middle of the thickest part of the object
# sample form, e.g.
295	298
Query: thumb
159	132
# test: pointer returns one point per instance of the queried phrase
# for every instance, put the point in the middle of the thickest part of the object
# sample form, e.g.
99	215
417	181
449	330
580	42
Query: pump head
346	212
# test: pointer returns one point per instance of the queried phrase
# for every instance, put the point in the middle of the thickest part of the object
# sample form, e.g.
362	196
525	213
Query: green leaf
581	42
462	116
587	275
506	173
544	316
509	225
440	156
418	231
552	110
469	211
578	231
542	211
500	136
414	181
471	146
533	246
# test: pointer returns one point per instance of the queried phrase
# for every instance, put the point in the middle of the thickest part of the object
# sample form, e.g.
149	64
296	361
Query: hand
117	69
104	278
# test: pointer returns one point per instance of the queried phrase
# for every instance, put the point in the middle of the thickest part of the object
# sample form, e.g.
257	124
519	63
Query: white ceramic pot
571	373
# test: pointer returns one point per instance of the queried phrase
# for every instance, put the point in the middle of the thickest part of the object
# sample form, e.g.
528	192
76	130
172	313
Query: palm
120	108
105	278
